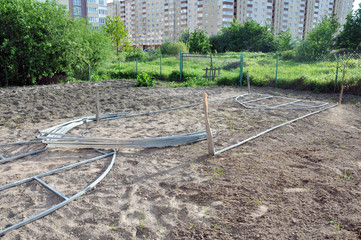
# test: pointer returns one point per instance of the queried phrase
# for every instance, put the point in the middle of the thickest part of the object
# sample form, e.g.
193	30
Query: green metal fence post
6	77
119	67
334	90
180	65
136	66
211	61
160	67
241	70
276	72
89	72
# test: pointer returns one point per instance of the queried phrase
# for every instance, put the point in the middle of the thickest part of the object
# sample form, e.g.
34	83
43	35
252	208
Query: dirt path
288	184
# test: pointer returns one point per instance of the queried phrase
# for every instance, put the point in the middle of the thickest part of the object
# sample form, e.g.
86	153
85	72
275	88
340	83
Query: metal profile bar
2	157
51	188
56	207
19	143
284	104
258	99
21	156
53	171
271	129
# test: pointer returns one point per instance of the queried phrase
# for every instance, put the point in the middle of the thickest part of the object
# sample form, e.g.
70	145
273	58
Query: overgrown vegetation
40	43
39	40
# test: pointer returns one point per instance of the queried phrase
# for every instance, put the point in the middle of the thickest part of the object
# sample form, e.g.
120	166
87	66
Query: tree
350	36
118	34
185	36
40	39
284	40
199	42
247	36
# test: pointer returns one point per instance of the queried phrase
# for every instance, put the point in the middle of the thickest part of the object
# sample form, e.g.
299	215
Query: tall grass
317	76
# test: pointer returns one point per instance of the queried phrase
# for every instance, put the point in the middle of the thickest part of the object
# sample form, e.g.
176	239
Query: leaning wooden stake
208	128
97	106
340	99
249	85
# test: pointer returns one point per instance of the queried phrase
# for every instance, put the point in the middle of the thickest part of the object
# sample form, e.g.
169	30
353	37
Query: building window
77	2
92	1
93	10
77	11
93	19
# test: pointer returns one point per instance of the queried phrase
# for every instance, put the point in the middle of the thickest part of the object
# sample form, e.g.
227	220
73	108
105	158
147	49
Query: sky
355	5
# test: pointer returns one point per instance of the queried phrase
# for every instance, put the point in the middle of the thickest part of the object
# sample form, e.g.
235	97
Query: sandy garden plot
289	183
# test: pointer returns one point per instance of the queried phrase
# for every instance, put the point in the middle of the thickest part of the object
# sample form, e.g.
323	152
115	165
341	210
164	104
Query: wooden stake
249	85
97	106
340	99
208	128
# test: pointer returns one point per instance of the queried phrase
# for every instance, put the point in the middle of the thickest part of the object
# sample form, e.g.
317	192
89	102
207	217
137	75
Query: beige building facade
95	10
152	22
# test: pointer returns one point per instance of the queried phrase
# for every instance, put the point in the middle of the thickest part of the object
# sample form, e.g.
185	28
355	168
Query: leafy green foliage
285	41
136	53
319	41
40	39
173	48
247	36
145	80
185	36
118	34
199	42
350	36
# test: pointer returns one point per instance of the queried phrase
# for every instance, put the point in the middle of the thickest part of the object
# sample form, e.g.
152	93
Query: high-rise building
95	10
152	22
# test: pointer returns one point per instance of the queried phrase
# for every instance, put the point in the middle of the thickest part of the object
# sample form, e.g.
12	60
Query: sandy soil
287	184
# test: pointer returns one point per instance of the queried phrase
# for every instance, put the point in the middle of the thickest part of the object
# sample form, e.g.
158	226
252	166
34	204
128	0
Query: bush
134	54
40	39
288	55
173	48
145	80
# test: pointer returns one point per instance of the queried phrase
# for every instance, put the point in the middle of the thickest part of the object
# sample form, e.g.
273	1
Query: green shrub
134	54
145	80
288	55
173	48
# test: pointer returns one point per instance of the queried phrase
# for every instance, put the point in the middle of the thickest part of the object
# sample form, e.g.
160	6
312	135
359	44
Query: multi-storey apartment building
152	22
95	10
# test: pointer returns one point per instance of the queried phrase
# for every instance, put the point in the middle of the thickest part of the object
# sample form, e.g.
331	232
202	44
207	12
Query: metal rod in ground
241	70
136	66
334	90
97	106
208	128
119	68
271	129
248	84
340	99
160	76
276	72
89	73
180	65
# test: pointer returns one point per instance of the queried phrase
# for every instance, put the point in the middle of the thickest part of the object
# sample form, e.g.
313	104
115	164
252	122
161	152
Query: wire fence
322	74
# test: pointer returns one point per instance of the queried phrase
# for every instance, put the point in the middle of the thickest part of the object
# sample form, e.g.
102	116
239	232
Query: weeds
346	177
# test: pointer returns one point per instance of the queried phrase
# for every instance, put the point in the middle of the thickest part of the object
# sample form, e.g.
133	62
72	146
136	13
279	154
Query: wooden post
340	99
97	106
208	128
249	85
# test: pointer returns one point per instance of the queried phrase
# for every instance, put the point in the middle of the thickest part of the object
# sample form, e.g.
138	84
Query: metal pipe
18	143
51	188
271	129
53	171
21	156
56	207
